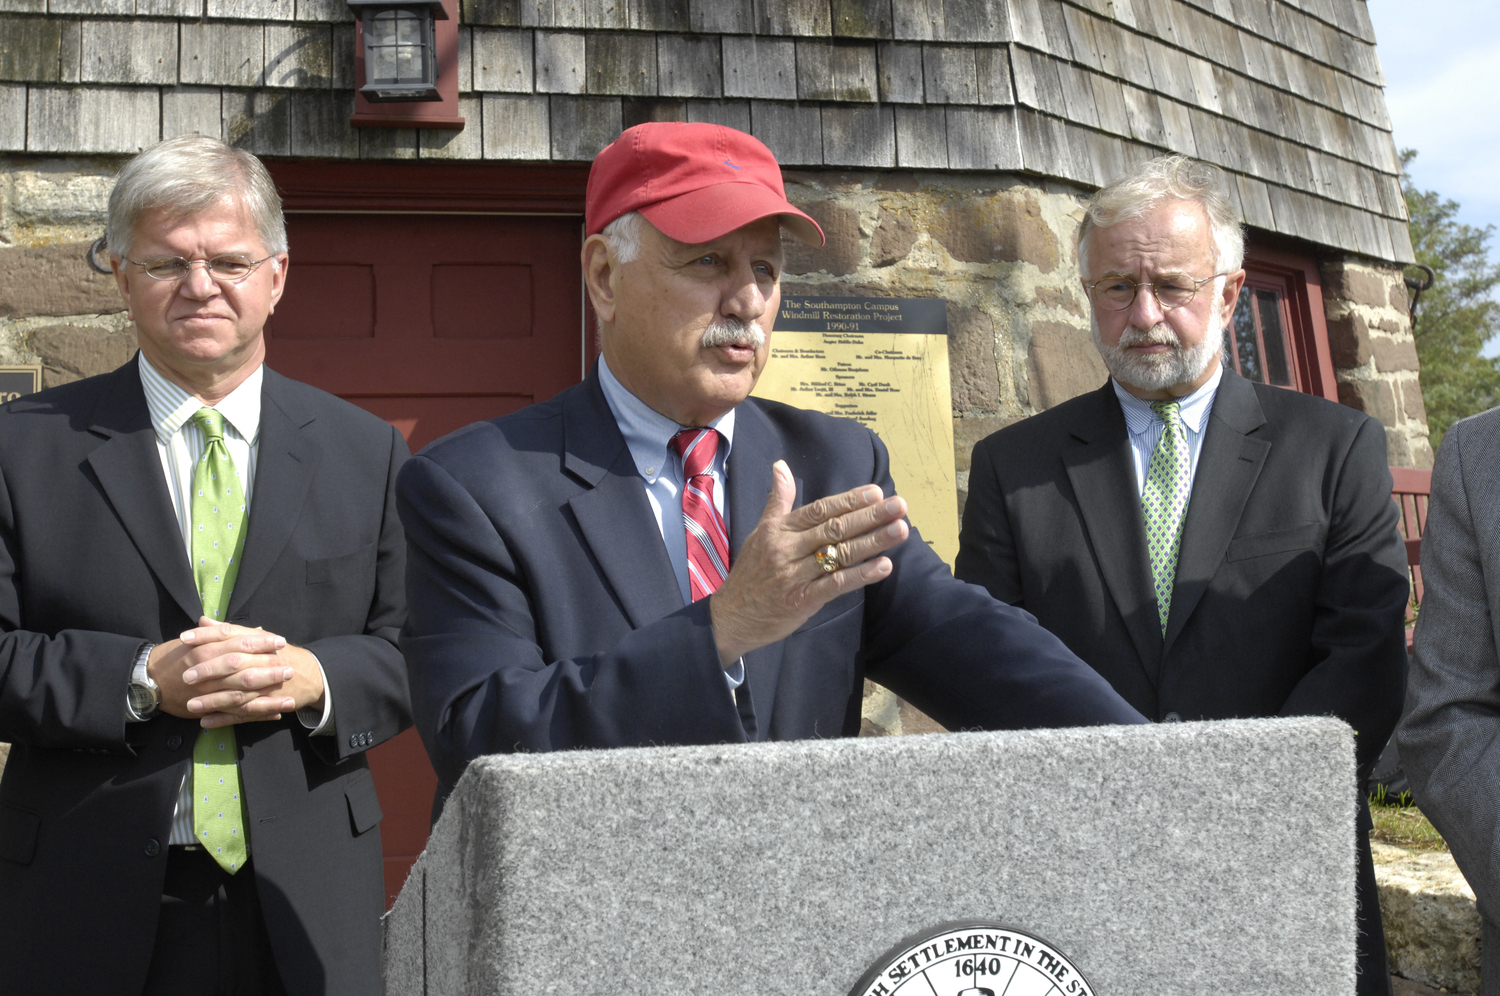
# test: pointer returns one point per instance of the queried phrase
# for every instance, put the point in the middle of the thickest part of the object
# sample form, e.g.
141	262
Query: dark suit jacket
1291	581
92	565
1450	737
545	613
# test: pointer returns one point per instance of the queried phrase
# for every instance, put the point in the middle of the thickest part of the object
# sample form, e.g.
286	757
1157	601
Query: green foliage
1404	825
1457	315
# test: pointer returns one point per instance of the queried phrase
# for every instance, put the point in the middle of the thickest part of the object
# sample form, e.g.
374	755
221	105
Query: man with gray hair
1215	548
200	592
656	557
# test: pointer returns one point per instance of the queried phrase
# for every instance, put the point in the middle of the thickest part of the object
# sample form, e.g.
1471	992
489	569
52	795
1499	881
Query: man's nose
742	297
198	282
1145	311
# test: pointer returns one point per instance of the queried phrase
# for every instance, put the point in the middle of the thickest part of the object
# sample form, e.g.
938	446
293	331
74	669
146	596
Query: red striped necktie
707	540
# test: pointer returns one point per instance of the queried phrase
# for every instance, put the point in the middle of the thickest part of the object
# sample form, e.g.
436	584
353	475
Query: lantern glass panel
397	47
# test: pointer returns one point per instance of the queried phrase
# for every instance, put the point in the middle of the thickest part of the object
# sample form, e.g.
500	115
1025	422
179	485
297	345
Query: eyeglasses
1172	290
231	268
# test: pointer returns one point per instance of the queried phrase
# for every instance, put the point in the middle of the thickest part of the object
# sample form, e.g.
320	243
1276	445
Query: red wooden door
430	321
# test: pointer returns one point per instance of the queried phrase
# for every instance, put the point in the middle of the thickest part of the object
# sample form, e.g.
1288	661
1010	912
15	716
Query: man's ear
278	264
1232	284
598	277
118	266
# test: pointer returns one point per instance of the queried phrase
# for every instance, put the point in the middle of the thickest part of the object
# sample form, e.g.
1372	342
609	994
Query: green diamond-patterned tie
1163	503
218	537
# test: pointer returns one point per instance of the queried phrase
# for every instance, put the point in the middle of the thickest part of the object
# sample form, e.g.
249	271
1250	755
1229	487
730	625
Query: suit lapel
755	448
1228	465
614	514
286	462
129	470
1102	473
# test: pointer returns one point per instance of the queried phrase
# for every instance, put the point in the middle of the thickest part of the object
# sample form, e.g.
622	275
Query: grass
1404	826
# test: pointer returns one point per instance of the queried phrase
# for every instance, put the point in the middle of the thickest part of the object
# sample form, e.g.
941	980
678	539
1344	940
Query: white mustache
1160	334
733	332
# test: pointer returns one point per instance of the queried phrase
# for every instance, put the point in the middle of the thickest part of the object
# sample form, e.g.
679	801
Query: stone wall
54	310
998	248
1374	354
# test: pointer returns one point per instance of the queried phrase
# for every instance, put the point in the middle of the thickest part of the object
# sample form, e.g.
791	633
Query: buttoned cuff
320	723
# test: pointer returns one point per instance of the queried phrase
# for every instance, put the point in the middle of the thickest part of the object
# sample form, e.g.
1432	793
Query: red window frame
1295	279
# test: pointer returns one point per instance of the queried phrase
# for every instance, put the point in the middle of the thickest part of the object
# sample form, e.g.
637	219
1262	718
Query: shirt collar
648	432
1194	409
171	407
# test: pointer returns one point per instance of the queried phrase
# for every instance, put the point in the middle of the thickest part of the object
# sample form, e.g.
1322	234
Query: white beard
1159	371
733	332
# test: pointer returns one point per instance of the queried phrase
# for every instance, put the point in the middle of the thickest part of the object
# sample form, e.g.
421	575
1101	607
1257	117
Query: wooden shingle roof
1284	94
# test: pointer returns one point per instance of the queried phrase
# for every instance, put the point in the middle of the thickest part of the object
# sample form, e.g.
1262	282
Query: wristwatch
144	696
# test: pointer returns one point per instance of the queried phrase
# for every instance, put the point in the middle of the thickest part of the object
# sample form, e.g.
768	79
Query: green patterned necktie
1163	503
218	538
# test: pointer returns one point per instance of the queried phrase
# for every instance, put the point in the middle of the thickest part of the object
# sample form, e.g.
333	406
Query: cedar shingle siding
1285	94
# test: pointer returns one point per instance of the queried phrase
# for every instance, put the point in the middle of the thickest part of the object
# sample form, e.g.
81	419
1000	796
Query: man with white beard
1214	548
653	556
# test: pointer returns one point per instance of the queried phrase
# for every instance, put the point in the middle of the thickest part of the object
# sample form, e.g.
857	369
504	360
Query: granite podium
1139	855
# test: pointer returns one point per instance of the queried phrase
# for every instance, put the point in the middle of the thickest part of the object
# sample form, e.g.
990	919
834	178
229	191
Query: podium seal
973	958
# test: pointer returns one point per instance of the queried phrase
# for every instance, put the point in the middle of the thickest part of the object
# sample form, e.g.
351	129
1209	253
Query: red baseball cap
694	182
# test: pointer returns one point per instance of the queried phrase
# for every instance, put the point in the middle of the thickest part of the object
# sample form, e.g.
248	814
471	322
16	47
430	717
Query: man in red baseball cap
655	557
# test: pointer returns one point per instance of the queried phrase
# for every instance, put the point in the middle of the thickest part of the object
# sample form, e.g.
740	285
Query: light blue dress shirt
648	435
1145	426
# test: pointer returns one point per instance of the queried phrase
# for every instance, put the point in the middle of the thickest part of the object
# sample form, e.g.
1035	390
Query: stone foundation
1432	924
998	248
1374	354
55	310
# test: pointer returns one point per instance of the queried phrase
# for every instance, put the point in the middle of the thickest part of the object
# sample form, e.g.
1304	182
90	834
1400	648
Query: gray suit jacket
1450	736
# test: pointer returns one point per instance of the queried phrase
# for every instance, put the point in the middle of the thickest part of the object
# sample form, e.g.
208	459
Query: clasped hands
222	674
777	584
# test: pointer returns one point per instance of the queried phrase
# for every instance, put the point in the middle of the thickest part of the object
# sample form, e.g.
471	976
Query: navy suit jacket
544	613
92	565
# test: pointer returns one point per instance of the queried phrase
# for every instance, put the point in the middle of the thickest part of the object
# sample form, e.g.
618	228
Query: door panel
431	322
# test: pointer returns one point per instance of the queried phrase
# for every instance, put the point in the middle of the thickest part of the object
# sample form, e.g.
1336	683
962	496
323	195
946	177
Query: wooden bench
1410	491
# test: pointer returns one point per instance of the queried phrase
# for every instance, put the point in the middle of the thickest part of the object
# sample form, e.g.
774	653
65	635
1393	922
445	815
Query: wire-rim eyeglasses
229	268
1172	290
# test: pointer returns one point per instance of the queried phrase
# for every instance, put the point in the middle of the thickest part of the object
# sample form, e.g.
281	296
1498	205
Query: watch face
142	699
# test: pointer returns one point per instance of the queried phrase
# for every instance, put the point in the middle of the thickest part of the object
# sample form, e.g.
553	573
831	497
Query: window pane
409	30
380	27
1247	349
1269	305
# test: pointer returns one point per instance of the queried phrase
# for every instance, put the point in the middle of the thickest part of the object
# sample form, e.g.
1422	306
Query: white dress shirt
179	444
648	435
1145	426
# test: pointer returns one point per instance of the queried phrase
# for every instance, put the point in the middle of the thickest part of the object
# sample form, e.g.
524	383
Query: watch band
140	678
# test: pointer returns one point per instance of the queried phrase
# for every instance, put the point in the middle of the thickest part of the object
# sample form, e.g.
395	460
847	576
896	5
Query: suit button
152	847
174	742
1171	717
354	740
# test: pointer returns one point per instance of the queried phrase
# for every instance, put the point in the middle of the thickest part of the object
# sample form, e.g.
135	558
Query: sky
1441	60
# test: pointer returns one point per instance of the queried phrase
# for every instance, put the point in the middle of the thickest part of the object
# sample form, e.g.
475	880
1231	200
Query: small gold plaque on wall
19	380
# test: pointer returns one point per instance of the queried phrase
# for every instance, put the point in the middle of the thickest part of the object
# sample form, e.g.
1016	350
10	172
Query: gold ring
828	558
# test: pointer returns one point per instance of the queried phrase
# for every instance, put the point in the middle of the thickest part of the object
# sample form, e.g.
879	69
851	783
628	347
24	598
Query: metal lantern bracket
406	64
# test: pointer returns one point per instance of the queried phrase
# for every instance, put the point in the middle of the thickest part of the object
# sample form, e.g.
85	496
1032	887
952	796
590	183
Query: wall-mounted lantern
406	64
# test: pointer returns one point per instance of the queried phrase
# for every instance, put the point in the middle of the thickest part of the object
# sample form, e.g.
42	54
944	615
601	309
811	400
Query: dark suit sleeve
62	691
969	661
365	671
1358	639
1450	737
482	683
986	548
